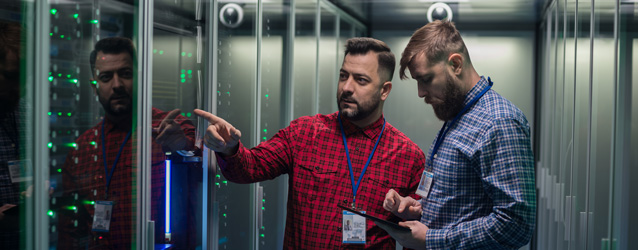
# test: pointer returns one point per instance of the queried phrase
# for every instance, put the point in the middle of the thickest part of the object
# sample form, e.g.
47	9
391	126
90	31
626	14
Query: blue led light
167	225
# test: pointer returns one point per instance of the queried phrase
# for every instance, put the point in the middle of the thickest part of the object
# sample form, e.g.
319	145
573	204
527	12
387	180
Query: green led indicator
94	82
59	170
50	34
49	113
183	80
183	71
190	54
262	235
161	52
263	200
224	215
219	176
59	113
264	138
154	51
60	75
183	114
183	53
76	15
50	78
68	114
190	71
188	114
265	130
50	144
50	213
68	76
89	202
182	75
54	11
93	143
61	36
94	21
263	208
225	182
72	208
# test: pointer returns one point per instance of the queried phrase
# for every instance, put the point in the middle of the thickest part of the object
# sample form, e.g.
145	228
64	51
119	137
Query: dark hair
112	45
362	45
10	39
437	40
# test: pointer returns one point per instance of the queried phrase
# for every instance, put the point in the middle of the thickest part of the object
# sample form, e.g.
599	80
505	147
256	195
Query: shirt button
345	201
338	229
317	168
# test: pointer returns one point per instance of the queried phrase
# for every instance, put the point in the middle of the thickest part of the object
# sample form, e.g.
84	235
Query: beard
361	110
453	99
117	110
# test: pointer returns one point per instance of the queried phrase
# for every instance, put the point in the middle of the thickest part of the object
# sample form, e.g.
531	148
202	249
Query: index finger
172	115
208	116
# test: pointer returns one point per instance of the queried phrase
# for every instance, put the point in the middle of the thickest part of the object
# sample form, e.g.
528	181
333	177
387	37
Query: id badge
102	216
425	184
354	228
20	171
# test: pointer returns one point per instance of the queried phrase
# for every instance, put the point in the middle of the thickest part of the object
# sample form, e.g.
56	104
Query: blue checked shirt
483	194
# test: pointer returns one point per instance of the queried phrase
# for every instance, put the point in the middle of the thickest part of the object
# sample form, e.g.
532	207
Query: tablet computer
377	219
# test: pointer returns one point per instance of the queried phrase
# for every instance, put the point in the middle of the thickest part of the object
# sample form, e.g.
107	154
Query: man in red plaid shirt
351	157
102	189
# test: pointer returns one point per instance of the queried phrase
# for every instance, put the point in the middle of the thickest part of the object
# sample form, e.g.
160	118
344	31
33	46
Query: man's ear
385	90
455	61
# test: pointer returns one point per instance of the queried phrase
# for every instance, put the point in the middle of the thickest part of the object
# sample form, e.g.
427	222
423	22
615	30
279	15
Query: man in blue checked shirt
478	185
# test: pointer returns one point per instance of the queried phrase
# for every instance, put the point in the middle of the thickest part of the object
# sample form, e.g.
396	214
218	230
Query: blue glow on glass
167	226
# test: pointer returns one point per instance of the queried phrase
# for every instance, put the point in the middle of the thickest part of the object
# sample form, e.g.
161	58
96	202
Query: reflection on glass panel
327	63
236	81
346	30
176	175
626	137
567	120
305	59
273	50
92	109
15	98
582	113
603	106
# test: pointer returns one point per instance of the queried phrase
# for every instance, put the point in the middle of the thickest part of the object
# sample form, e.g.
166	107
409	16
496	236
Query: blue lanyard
355	186
117	158
443	132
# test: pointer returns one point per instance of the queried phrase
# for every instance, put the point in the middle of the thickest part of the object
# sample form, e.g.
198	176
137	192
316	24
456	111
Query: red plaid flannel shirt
311	151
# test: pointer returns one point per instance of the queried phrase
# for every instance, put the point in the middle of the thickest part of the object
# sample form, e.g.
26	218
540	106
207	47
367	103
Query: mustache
119	96
347	99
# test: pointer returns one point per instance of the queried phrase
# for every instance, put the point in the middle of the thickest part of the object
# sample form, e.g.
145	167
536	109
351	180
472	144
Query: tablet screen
377	219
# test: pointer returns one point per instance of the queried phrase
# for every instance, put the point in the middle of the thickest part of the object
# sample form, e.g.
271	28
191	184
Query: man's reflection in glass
99	176
11	112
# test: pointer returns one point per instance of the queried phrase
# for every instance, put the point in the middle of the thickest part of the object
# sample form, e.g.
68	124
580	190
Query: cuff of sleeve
435	238
229	159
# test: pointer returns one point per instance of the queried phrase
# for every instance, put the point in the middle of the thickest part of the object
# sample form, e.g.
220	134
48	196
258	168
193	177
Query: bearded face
453	98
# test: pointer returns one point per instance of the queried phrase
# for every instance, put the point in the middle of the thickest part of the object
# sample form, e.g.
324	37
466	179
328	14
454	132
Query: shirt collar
371	131
110	126
476	90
